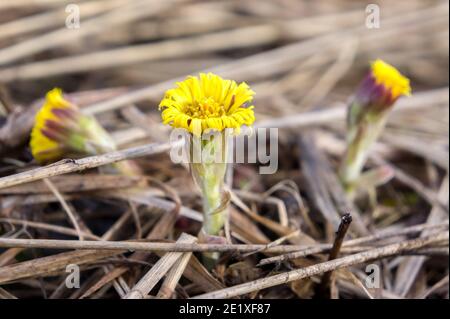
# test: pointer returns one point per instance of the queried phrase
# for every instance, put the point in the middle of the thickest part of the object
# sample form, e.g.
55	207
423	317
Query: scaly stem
360	138
209	175
213	211
212	197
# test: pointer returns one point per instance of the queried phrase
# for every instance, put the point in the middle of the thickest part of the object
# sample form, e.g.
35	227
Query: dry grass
303	59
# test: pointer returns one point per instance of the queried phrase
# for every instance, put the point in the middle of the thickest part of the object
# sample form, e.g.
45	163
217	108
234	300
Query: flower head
383	86
208	102
61	129
367	115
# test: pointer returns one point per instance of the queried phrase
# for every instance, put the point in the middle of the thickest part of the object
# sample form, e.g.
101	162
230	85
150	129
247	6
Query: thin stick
340	235
151	278
173	276
71	165
382	235
373	254
49	227
143	246
346	220
275	242
65	206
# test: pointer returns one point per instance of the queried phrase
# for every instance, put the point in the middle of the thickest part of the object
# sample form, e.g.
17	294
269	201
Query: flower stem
209	175
212	197
360	138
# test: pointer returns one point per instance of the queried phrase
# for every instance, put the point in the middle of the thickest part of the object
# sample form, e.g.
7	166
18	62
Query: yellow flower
61	130
367	114
208	102
388	76
44	143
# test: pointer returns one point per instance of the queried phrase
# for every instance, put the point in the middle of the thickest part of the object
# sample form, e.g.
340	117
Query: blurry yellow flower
208	102
44	144
61	130
367	114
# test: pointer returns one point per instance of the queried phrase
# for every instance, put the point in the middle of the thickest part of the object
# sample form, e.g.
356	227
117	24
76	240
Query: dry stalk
72	165
151	278
373	254
173	276
146	246
353	242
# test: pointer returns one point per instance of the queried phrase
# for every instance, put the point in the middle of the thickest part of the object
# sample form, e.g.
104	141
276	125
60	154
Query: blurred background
297	55
303	53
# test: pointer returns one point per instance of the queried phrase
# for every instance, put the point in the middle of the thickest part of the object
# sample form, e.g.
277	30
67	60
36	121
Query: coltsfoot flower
367	114
203	105
208	102
62	130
